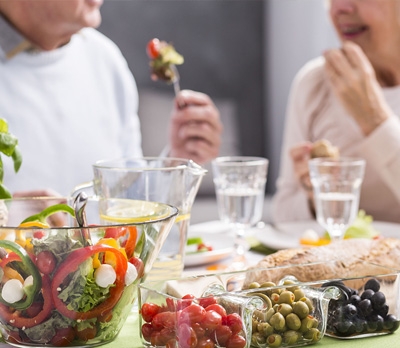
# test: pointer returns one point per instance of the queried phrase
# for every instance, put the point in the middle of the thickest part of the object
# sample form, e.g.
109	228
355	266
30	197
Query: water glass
240	189
336	184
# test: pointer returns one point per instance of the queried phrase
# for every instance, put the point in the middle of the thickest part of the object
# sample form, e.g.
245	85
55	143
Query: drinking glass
336	184
240	189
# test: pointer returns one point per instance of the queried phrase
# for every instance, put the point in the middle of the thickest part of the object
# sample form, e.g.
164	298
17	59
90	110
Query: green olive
269	314
315	322
254	285
284	309
275	298
306	324
286	297
298	294
265	287
274	340
290	337
291	282
277	321
313	334
265	329
308	302
301	309
254	325
293	322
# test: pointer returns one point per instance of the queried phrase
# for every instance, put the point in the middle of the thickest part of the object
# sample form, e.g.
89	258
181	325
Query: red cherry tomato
149	310
221	335
186	336
211	320
236	341
164	319
46	262
147	330
185	302
205	343
217	308
192	314
198	329
207	301
138	263
153	48
234	321
63	337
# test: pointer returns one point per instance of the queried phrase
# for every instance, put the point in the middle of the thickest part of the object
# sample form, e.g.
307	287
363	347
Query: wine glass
336	184
240	189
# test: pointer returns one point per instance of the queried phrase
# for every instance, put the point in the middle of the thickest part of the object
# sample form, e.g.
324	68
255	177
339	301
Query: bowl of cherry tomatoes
64	283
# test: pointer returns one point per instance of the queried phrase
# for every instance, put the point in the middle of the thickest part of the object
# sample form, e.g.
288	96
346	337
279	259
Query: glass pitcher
173	181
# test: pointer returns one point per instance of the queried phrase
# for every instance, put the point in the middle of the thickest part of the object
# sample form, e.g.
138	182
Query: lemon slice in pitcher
132	211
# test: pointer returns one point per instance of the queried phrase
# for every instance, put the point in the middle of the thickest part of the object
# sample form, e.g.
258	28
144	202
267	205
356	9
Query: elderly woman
351	97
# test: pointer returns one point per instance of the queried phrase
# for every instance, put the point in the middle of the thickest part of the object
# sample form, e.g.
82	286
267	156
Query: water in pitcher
240	205
168	260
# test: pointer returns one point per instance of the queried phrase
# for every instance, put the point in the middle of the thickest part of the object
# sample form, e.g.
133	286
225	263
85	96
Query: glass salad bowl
69	284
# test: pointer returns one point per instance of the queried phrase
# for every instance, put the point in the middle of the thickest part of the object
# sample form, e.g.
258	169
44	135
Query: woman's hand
195	128
355	84
300	155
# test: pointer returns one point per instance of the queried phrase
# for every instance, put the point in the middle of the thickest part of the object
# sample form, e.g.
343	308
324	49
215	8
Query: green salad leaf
9	147
82	293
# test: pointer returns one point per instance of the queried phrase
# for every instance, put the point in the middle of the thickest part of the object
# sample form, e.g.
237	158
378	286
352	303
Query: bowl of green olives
223	310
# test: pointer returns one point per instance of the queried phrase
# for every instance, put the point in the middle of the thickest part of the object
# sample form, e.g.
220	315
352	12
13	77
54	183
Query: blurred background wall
243	53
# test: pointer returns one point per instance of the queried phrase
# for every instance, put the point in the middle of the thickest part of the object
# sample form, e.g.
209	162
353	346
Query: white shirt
68	108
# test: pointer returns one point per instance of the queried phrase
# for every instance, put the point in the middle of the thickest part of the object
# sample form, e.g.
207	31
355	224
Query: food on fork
163	60
324	148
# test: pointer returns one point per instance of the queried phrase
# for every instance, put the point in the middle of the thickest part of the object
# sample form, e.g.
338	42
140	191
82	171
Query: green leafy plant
9	147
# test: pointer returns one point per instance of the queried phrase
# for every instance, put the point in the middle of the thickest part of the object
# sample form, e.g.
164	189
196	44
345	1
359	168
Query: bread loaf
349	252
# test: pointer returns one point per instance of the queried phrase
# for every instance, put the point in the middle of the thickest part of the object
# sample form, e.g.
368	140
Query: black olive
355	299
367	294
378	300
365	308
372	284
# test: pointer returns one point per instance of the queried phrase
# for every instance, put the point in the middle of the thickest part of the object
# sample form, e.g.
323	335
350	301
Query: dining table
129	336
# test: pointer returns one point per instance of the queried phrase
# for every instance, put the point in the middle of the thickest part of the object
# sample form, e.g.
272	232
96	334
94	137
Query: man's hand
355	84
195	128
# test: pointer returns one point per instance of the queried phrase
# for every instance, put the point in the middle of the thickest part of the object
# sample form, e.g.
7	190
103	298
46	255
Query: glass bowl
223	310
66	285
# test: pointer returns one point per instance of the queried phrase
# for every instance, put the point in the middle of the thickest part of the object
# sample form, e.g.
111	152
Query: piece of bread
351	253
324	148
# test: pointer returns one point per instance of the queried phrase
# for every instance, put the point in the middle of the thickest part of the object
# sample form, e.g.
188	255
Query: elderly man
69	97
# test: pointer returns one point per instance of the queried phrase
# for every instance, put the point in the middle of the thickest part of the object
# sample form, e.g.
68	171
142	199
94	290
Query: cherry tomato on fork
153	48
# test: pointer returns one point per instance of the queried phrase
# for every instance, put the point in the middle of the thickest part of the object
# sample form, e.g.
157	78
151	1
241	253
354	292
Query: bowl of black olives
367	306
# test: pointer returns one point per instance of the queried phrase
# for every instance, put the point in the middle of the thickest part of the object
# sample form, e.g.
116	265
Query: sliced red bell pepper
14	319
118	232
71	264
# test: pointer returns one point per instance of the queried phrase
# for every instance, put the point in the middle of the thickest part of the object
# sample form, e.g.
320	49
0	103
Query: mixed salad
56	291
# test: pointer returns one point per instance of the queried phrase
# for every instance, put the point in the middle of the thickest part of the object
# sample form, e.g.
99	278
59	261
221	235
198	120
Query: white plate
287	235
216	234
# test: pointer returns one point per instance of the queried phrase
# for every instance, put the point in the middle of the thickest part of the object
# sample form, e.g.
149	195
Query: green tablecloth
129	338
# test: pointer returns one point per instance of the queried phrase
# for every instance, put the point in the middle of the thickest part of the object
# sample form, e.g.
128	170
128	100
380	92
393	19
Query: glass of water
240	189
336	184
